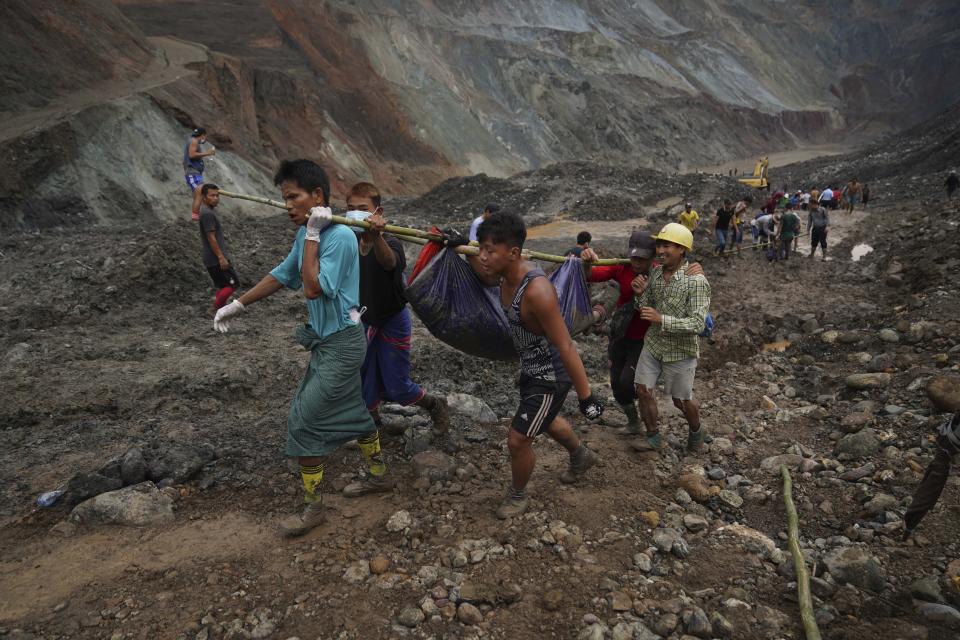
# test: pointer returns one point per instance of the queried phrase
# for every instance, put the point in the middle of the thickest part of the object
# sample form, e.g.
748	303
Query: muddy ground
107	345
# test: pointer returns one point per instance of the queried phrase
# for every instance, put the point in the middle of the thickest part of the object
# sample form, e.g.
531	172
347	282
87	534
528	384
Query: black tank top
538	357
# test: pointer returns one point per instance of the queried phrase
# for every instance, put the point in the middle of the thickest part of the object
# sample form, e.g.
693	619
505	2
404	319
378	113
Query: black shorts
224	277
818	237
540	402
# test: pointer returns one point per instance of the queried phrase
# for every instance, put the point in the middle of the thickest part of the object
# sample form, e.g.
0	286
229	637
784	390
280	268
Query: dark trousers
930	488
624	354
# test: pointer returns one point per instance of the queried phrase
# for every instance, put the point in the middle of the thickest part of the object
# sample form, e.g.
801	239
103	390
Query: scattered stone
620	601
754	541
83	486
730	499
722	627
399	521
357	572
379	565
723	446
643	562
133	468
652	518
434	465
889	335
855	566
411	617
867	380
880	503
469	614
472	407
140	505
853	422
553	600
772	464
940	613
944	393
695	523
853	475
666	623
859	445
697	623
926	589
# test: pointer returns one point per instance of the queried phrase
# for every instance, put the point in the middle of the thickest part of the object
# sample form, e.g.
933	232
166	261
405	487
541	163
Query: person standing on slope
193	156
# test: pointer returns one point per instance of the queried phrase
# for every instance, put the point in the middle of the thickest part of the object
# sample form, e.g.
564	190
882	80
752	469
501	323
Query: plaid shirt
683	302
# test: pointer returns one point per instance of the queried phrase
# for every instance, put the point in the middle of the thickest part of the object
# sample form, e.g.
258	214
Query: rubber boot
511	507
439	412
312	517
652	442
633	418
579	463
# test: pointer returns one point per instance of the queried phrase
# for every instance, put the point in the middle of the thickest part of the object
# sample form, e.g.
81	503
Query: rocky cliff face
410	92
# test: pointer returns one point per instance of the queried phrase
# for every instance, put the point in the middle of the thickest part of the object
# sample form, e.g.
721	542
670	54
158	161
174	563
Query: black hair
207	187
199	131
307	174
503	227
584	237
491	208
748	199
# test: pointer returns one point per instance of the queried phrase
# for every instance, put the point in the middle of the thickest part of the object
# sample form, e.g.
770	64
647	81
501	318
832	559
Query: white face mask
358	216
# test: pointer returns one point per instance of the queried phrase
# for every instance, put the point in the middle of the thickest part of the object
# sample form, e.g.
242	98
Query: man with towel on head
328	410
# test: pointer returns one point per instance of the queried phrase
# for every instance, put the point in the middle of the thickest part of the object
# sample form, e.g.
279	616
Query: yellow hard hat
677	234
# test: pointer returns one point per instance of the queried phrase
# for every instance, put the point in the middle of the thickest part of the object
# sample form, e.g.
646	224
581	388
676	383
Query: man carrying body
328	410
627	328
487	210
549	362
215	248
676	305
817	221
689	218
386	368
721	226
583	242
193	166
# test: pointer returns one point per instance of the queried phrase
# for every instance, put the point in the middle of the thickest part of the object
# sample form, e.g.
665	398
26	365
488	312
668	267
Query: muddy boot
514	504
580	460
695	440
369	484
650	442
633	419
439	413
313	516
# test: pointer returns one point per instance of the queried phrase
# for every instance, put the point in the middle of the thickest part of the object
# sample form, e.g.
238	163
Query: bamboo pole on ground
807	617
418	236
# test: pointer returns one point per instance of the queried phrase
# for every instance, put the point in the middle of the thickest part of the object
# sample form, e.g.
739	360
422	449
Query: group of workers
359	333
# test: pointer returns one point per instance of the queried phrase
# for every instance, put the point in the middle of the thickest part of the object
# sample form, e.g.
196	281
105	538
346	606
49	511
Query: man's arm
310	270
542	300
195	153
267	286
383	251
215	247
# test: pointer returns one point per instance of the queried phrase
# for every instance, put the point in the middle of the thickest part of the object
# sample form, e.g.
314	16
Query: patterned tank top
538	357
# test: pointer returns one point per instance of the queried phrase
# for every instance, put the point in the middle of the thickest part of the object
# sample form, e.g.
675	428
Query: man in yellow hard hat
676	305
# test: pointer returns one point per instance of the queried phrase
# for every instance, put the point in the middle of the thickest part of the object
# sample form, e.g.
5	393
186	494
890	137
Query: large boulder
140	505
944	393
867	380
471	407
853	565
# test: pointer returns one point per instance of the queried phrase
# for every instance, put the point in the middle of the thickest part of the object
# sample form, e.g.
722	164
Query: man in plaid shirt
676	306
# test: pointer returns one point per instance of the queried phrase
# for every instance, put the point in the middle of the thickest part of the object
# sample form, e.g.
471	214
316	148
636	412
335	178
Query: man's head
200	133
210	194
364	196
688	207
490	208
501	237
640	251
727	204
584	238
303	185
749	199
673	242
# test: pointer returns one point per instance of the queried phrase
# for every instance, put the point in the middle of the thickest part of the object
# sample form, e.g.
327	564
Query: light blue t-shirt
339	278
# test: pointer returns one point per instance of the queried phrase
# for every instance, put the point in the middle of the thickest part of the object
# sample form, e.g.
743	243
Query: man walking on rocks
817	221
549	362
386	368
853	192
193	157
214	246
328	410
689	217
721	226
627	328
676	305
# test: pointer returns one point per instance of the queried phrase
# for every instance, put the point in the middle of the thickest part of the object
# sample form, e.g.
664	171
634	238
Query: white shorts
677	376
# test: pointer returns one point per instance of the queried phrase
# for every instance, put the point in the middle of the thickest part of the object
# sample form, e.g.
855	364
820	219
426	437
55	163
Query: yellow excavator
759	178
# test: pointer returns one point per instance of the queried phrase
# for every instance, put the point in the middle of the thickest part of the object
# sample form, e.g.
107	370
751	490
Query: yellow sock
370	446
312	477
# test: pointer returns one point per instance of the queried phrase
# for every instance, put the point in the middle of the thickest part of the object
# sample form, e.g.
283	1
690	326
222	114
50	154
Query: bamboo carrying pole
418	236
803	577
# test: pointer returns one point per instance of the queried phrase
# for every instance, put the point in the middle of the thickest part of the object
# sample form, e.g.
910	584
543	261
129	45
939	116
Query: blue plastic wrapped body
457	308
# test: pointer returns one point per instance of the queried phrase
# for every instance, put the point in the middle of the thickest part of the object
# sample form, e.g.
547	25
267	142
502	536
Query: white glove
221	322
319	218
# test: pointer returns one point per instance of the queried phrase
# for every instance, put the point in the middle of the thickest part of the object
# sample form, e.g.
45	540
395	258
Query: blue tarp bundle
460	310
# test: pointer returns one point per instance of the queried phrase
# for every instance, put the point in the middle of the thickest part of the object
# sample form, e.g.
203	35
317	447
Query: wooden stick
418	236
803	577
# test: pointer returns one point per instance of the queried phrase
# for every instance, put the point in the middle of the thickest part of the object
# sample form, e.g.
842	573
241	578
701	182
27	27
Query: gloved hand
591	407
320	218
221	322
453	238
